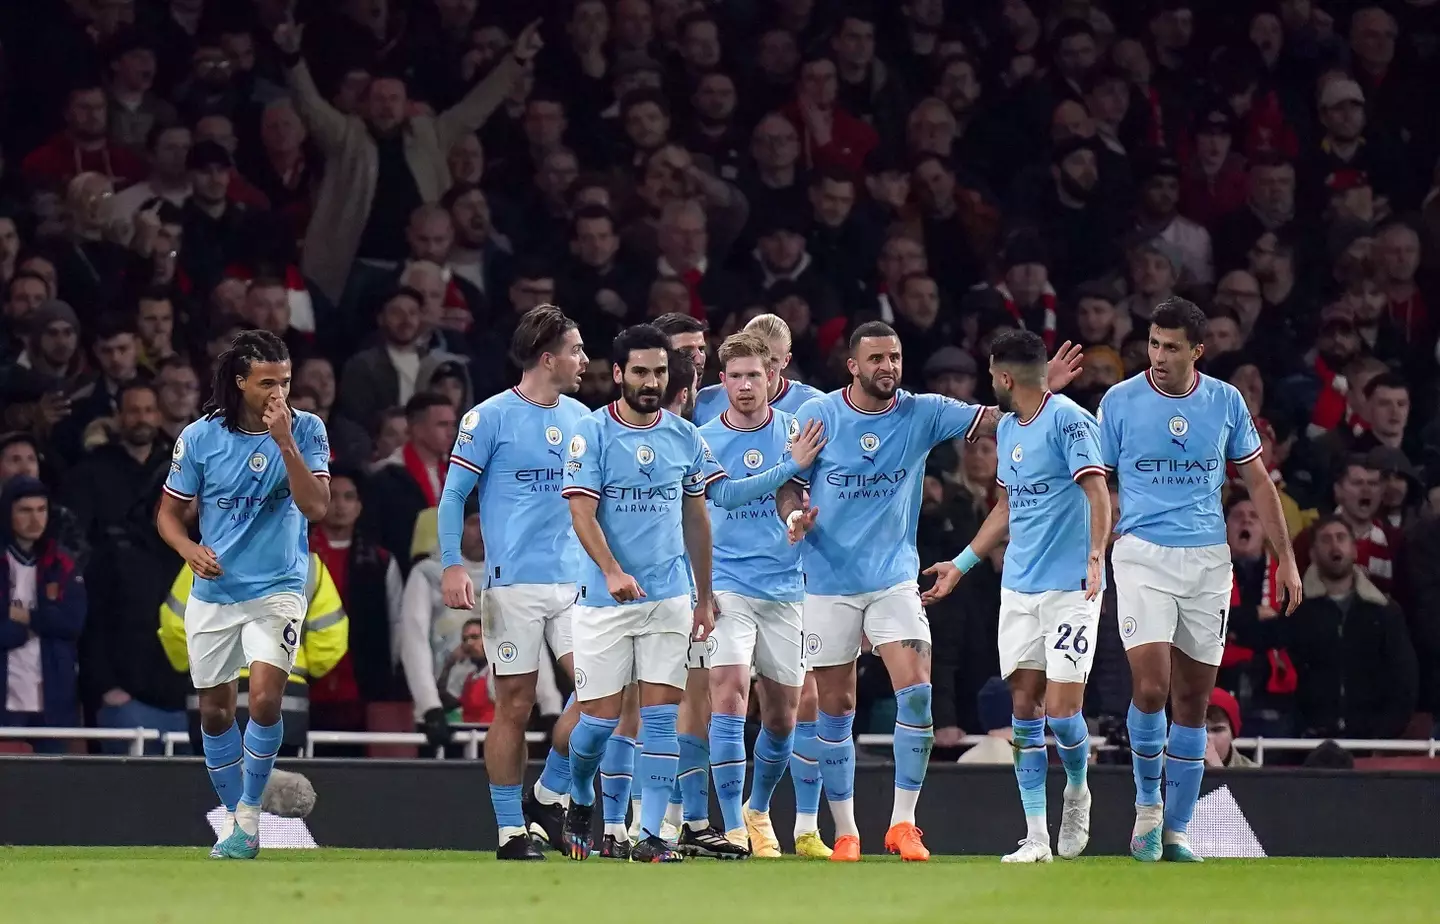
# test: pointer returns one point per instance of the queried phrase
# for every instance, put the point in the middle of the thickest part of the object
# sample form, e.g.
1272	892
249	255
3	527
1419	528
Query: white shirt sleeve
394	595
415	655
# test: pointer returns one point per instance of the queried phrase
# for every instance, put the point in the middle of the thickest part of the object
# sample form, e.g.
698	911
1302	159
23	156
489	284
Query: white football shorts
833	625
1175	595
225	638
519	620
1051	631
765	633
647	641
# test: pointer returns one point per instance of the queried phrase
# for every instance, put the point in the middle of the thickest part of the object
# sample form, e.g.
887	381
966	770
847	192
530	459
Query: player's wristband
794	515
966	560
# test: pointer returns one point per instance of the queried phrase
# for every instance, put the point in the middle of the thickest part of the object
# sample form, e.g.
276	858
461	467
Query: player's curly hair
247	348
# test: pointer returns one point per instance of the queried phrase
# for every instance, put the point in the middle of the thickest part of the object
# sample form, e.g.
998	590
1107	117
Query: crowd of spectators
389	184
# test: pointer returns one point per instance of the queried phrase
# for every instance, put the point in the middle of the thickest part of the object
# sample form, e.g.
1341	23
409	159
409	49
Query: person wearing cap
216	230
950	371
35	390
1214	182
1154	269
992	704
1399	479
1222	727
1350	198
781	254
135	110
1025	290
45	592
1158	214
1347	144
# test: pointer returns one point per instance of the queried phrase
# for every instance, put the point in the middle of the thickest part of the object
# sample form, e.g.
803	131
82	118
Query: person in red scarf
1025	288
410	481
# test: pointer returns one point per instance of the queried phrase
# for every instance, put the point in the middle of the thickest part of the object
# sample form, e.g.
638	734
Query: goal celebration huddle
681	547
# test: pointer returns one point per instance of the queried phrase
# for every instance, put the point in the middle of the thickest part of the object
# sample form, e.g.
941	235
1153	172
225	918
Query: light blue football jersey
1041	462
1170	454
247	512
638	476
867	484
515	450
753	556
712	399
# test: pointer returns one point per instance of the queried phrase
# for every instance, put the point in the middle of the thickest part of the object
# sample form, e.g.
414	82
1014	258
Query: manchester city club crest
1179	426
553	436
579	679
258	463
812	644
644	455
1017	453
507	652
754	458
1127	626
869	442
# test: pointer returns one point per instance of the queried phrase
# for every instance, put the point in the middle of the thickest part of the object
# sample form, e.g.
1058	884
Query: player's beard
641	400
1004	399
874	389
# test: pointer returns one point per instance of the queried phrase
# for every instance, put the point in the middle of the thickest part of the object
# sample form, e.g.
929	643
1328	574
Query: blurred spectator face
958	87
228	298
1161	197
530	293
211	184
668	13
219	129
1026	282
318	375
1172	29
715	99
595	241
430	235
647	126
1151	274
1212	148
1242	530
434	430
19	458
1261	257
795	312
978	463
683	237
1070	120
42	267
210	65
178	388
155	319
589	24
385	105
634	26
268	308
1109	101
9	239
345	507
1268	36
931	128
1240	292
1334	551
139	417
1076	56
1395	488
26	294
778	55
955	385
925	14
666	295
920	301
890	188
1218	733
1251	385
854	44
775	144
49	213
1388	410
470	217
818	83
935	185
490	41
1338	343
134	71
171	148
466	160
700	45
899	257
394	432
400	320
1357	492
544	123
1372	38
832	201
350	94
1018	17
85	116
218	343
281	130
89	200
1078	174
781	251
1398	253
1222	335
1132	58
107	17
1095	320
452	387
28	518
1345	121
118	357
239	48
1367	300
1272	189
429	280
595	382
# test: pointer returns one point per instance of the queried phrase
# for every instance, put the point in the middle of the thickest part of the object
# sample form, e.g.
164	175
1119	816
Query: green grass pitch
161	886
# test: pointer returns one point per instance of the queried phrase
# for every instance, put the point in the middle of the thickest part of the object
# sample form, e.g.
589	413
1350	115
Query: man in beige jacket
351	221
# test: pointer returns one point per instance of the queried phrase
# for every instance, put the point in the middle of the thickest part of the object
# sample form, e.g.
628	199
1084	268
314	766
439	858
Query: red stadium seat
390	717
1406	762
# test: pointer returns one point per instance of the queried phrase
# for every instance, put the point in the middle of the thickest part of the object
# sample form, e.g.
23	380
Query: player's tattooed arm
986	424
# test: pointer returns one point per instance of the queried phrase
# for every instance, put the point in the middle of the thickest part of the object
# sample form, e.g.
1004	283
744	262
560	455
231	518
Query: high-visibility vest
324	636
